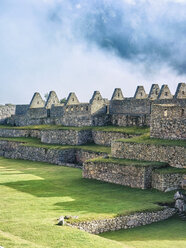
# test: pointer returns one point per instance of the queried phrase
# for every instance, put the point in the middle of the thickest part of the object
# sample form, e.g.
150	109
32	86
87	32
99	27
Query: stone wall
125	120
14	133
105	138
124	222
168	181
17	150
66	137
130	106
168	121
132	176
6	111
173	155
83	155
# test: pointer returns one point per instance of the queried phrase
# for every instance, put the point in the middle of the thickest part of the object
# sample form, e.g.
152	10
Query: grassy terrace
128	130
37	143
125	162
145	139
34	195
171	170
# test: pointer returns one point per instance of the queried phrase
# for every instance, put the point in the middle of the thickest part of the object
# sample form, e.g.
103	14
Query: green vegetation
128	130
34	195
37	143
126	162
171	170
165	234
145	139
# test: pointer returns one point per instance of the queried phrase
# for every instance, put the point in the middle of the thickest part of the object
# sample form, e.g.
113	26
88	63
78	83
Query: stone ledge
123	222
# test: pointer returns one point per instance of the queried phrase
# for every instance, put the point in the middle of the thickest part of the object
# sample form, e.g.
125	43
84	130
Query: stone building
119	111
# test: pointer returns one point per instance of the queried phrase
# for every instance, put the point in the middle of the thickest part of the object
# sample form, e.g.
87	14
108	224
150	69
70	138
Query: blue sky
83	45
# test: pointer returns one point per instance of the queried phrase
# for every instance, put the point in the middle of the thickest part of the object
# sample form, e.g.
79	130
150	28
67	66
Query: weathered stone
123	222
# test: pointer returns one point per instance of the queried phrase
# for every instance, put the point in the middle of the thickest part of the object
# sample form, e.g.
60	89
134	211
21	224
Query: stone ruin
161	110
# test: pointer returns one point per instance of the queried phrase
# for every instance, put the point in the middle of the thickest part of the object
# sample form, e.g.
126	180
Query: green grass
34	195
145	139
171	170
37	143
165	234
128	130
126	162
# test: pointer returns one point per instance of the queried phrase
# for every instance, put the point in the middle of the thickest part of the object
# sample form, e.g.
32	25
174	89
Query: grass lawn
37	143
128	130
145	139
34	195
170	233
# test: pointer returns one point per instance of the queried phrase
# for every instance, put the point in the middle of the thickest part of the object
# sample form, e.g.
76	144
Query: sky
85	45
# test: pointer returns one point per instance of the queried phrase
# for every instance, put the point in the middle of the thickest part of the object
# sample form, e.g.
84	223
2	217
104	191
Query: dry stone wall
173	155
17	150
125	120
133	176
124	222
166	182
14	133
6	111
106	137
69	137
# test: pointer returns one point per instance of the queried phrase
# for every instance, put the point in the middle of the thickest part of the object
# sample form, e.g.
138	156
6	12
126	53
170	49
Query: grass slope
34	194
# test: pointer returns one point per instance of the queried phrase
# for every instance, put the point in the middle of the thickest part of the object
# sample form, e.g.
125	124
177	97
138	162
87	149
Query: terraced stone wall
69	137
124	222
14	133
106	137
132	176
17	150
166	182
173	155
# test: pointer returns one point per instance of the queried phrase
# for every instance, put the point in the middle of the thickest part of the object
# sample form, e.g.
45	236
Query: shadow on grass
88	196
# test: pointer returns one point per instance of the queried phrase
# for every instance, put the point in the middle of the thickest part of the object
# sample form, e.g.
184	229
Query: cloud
70	45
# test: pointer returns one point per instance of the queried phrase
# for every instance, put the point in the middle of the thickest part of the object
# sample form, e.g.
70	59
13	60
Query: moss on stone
171	170
127	162
145	139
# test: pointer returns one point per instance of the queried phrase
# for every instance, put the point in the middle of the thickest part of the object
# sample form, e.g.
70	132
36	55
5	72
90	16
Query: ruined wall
168	121
125	120
124	222
167	181
6	111
174	155
130	106
132	176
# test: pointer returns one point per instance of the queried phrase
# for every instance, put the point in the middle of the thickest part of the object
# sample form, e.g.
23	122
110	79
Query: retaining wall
166	182
69	137
17	150
173	155
105	137
14	133
124	222
133	176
